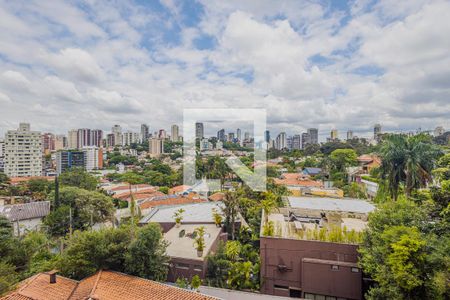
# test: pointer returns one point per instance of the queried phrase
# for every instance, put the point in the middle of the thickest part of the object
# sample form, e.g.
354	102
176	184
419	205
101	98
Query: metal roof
32	210
331	204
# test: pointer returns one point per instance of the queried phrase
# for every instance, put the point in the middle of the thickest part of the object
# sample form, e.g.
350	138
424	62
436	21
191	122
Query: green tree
146	256
231	211
8	277
77	177
343	158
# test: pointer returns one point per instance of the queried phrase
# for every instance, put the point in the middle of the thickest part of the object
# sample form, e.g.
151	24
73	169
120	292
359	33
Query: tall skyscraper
199	131
72	139
313	135
238	135
281	141
221	135
267	136
349	135
83	138
334	134
174	133
156	147
96	138
144	132
117	131
376	131
306	139
296	142
23	152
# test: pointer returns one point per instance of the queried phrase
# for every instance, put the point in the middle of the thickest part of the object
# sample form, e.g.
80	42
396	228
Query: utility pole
70	221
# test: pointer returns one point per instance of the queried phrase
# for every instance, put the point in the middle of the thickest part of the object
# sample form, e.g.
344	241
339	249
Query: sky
325	64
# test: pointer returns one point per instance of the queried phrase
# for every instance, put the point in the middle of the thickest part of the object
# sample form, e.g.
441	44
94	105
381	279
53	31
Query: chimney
52	275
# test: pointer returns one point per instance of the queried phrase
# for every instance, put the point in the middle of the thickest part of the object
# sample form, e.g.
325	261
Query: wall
285	268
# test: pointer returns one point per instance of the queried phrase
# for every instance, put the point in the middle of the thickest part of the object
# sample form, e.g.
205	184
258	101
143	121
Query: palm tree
231	210
268	204
407	160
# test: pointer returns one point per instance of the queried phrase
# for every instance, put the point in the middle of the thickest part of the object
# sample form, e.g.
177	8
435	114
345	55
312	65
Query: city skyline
126	63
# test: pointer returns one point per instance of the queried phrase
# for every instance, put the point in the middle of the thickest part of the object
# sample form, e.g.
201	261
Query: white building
72	139
116	130
93	158
23	152
129	138
281	141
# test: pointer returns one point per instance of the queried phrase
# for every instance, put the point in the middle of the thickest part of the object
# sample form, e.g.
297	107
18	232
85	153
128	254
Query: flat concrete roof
184	247
331	204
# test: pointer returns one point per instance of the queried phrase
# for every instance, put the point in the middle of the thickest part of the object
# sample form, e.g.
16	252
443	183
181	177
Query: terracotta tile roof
169	200
104	285
16	180
178	189
217	196
298	180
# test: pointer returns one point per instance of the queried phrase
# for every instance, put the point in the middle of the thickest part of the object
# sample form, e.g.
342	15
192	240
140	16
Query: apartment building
23	152
156	147
66	160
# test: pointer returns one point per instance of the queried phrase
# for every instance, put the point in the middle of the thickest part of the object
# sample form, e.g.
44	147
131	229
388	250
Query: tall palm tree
407	160
231	210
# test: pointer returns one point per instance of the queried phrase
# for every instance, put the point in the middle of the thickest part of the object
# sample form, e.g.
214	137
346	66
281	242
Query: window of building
182	266
355	270
280	287
335	268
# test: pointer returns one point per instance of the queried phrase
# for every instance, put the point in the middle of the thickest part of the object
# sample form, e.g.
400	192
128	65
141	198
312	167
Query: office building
156	147
66	160
199	131
72	139
349	135
23	152
313	135
116	130
221	135
174	133
267	136
376	131
306	140
238	135
93	157
144	132
296	142
281	141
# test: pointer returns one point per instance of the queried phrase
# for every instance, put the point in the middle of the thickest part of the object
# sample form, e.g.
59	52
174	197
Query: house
180	189
312	251
27	216
297	182
103	285
219	196
312	171
367	162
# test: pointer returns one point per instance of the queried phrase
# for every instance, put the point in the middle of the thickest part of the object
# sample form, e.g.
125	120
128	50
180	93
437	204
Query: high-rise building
231	137
93	157
313	135
174	133
281	141
238	134
83	137
199	131
247	136
156	147
60	142
72	139
2	158
296	142
221	135
23	152
349	135
66	160
267	136
306	140
162	134
376	131
129	138
439	131
334	135
289	143
48	143
144	132
96	137
116	130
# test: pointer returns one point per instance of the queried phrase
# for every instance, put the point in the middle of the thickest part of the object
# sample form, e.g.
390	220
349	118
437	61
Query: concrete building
199	130
205	145
376	131
156	147
2	157
23	152
72	139
93	157
129	138
60	142
267	136
304	258
313	135
281	141
334	135
231	137
349	135
239	136
96	138
174	133
221	135
66	160
48	143
306	139
144	132
116	130
296	142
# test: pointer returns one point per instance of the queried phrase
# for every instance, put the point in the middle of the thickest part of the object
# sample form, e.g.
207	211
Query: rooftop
25	211
194	213
104	285
184	246
331	204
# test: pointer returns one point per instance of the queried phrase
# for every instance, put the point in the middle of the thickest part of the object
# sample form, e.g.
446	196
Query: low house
103	285
367	162
180	190
312	171
312	250
27	216
296	182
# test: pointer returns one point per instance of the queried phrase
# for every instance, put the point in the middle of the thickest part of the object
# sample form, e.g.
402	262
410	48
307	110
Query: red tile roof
159	201
104	285
217	197
297	179
178	189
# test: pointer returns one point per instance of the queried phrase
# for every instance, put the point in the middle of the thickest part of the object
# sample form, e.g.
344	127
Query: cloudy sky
326	64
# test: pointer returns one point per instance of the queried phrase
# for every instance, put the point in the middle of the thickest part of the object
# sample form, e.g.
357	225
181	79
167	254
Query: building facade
313	135
156	147
23	152
174	133
66	160
199	131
